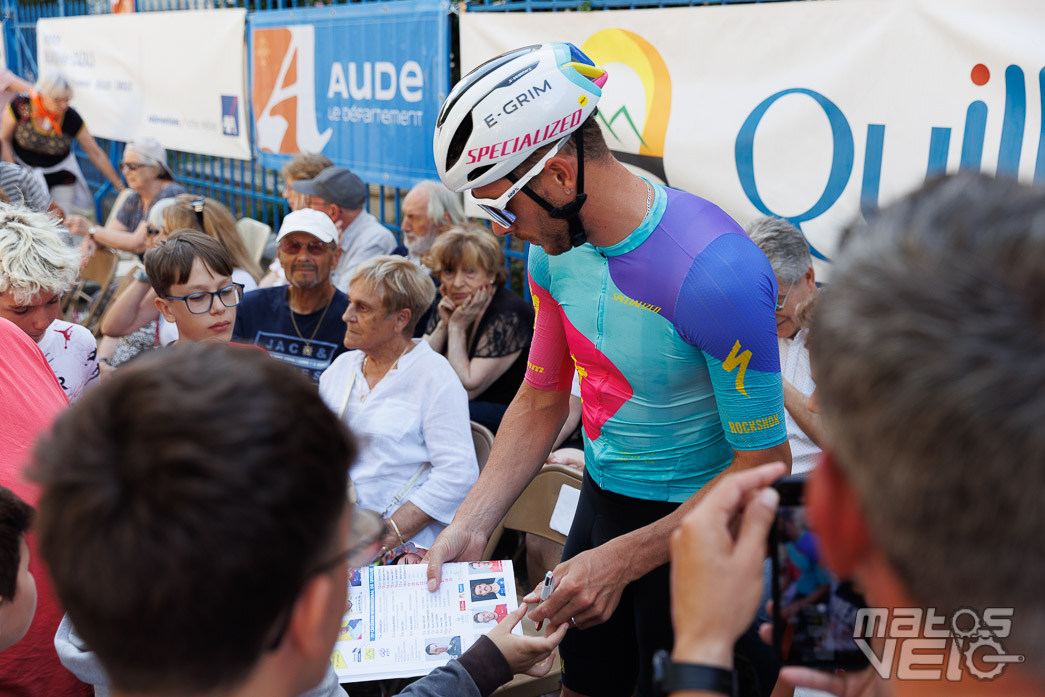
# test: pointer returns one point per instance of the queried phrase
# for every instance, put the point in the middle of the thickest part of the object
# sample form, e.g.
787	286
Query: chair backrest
482	438
532	511
100	269
255	236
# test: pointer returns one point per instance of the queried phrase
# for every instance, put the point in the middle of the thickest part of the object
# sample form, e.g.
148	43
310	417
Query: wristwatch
91	230
670	676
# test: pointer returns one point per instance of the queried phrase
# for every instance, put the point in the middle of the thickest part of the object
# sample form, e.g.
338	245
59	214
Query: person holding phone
927	493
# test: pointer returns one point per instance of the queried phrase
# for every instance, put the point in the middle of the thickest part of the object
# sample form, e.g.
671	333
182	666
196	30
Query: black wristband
670	676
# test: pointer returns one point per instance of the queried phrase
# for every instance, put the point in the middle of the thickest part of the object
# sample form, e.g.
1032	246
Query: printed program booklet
394	628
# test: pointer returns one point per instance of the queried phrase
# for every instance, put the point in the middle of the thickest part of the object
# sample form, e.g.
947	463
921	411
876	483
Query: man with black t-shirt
299	323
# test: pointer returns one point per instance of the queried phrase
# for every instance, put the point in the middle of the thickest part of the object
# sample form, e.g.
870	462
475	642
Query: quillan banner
818	112
178	77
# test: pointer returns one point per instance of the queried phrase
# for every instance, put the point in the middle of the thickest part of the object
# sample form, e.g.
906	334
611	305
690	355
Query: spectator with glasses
191	275
299	323
788	254
145	167
134	314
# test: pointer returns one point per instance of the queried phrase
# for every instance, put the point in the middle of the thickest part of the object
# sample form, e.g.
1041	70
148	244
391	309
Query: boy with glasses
192	276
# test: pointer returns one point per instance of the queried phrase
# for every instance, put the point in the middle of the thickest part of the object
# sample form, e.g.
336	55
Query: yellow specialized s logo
734	359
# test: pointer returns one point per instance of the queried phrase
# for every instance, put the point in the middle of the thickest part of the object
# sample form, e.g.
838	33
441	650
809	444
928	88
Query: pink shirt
30	399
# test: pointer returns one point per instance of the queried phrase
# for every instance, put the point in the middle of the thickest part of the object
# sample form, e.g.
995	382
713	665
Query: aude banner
178	77
360	83
818	112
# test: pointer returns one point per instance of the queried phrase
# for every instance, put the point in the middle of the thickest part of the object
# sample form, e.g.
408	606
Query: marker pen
546	590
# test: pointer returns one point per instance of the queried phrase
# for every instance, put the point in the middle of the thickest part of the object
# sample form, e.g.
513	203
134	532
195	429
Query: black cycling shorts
610	659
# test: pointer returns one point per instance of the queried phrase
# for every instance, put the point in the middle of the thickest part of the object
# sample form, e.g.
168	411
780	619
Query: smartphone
814	612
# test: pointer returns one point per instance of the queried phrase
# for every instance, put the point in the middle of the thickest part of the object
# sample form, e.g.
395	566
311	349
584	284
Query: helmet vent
478	172
457	143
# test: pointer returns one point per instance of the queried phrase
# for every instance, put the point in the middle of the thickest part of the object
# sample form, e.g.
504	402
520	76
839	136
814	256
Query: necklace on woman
307	351
366	362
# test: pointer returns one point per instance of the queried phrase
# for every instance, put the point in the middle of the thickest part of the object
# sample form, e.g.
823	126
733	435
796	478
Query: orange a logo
284	92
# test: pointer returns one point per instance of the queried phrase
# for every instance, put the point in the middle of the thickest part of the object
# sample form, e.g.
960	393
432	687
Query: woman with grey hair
36	268
150	179
416	460
37	130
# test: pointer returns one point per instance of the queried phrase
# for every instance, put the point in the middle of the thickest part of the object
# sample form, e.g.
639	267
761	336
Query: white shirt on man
364	238
416	414
794	367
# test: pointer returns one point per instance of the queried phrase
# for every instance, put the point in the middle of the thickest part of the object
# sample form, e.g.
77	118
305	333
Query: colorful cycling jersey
673	333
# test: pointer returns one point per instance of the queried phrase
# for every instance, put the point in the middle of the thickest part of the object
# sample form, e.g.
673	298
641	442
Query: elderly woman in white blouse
417	461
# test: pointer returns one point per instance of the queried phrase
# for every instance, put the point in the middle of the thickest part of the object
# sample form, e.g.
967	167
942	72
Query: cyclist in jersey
663	306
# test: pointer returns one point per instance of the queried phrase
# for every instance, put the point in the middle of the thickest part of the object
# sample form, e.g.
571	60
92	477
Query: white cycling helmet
511	105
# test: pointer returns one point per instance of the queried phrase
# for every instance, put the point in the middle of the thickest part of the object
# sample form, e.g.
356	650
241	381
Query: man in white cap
341	195
299	323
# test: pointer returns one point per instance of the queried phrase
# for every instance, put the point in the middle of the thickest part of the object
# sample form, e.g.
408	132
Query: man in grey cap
299	323
342	195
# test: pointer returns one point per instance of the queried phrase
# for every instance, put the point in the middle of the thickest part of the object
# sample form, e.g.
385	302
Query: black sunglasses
197	206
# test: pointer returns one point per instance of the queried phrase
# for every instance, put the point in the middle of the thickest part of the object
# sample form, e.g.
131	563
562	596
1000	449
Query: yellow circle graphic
583	100
622	46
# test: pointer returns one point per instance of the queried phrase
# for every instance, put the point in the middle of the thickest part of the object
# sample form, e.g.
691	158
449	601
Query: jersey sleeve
726	307
549	366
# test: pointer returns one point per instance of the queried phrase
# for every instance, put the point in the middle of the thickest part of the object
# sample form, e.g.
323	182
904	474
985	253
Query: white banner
810	111
175	76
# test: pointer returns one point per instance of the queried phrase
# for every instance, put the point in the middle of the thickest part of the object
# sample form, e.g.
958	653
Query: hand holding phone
717	555
814	612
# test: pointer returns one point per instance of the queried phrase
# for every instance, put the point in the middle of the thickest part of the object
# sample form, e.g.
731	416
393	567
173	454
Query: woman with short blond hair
417	461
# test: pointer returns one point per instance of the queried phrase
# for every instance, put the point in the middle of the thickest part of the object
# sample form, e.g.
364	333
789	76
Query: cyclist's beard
554	236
